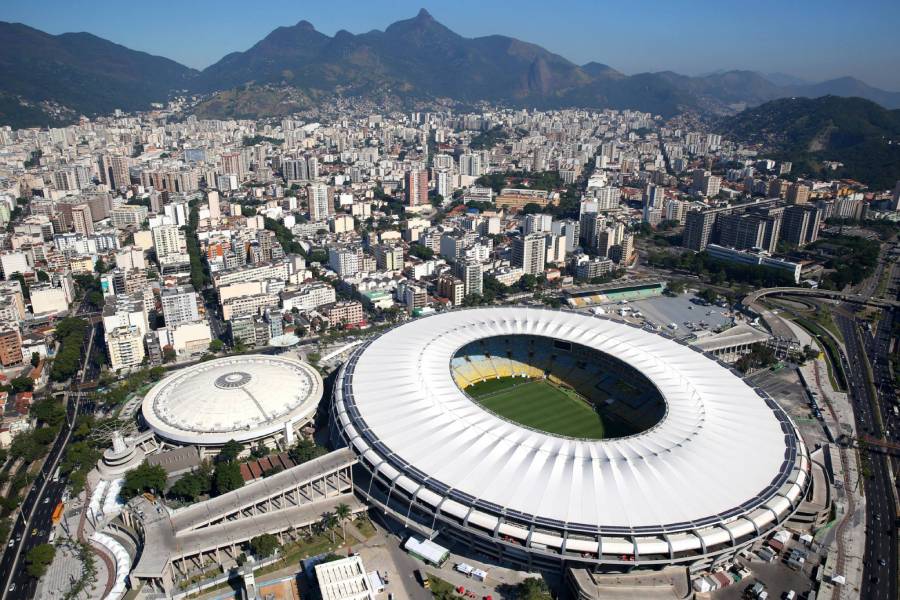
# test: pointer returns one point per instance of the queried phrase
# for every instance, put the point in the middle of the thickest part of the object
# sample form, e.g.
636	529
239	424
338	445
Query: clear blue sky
813	39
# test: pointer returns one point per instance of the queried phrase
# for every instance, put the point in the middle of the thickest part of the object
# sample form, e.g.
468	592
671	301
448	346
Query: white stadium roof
722	450
242	398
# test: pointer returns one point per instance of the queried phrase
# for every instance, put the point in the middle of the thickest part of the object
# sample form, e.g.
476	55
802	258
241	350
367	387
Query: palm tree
342	511
329	521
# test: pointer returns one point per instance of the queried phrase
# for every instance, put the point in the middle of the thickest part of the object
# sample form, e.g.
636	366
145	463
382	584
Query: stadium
545	438
249	399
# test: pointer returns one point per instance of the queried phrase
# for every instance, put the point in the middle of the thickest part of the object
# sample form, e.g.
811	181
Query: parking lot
776	576
689	317
785	387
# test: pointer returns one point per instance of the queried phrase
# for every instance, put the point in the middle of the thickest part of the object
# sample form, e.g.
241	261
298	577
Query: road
879	581
33	523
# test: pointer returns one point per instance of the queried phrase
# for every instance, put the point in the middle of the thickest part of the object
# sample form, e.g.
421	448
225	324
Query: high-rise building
589	225
416	188
777	188
452	245
470	165
215	211
295	169
800	224
125	347
320	202
413	296
345	260
168	240
742	232
654	196
451	288
233	164
705	183
442	161
471	273
10	346
770	218
608	198
698	228
114	171
82	220
443	183
567	229
609	237
798	194
388	257
529	253
179	305
537	223
675	210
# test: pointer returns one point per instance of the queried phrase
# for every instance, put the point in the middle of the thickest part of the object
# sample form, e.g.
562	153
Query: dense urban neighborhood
374	348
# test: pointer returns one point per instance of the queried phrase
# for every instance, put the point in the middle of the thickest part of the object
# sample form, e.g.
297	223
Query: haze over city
454	301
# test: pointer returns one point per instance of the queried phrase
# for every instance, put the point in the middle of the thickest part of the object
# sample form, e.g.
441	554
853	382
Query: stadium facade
707	463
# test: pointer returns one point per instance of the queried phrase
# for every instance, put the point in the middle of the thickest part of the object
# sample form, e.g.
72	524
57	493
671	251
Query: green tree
759	357
38	559
191	486
21	279
313	357
330	522
708	295
533	588
259	450
674	288
144	478
528	282
420	251
25	447
216	346
22	384
230	451
35	359
71	333
264	545
343	512
168	353
49	411
305	450
227	478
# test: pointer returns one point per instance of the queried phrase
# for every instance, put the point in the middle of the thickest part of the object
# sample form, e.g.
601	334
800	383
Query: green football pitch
540	405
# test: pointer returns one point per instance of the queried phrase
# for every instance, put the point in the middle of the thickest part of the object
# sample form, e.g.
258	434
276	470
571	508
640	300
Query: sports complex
547	438
250	399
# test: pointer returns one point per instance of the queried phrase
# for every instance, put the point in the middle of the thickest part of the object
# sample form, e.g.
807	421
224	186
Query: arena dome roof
242	398
723	450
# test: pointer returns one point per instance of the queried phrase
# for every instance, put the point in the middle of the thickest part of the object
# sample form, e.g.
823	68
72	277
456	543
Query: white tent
427	550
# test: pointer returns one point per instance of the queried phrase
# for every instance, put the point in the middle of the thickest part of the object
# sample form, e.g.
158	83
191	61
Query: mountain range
48	78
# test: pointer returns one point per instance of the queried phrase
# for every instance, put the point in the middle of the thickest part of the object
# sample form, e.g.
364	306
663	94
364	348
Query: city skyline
647	38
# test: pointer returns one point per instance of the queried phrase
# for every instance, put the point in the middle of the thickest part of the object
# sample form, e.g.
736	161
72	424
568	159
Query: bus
57	513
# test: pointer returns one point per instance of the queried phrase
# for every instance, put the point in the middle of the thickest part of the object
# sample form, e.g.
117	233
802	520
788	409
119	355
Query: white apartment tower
530	253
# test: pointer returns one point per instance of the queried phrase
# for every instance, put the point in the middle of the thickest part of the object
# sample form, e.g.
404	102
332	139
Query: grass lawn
539	404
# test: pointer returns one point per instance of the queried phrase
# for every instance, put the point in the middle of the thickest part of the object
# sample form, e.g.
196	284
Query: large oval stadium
544	437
